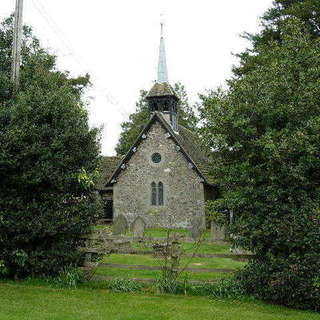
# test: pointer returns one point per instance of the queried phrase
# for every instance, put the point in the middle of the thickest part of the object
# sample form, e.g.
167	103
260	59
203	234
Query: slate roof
107	167
191	142
188	142
161	90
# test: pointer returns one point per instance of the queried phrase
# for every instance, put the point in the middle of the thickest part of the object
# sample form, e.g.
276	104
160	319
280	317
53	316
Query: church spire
162	98
162	65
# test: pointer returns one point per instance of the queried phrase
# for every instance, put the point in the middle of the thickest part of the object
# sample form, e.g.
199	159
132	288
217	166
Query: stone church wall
183	190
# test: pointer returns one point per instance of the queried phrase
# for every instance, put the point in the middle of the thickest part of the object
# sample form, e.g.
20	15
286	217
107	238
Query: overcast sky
116	42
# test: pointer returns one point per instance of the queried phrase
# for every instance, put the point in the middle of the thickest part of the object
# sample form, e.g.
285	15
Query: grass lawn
162	233
30	302
208	248
100	227
155	274
204	248
152	232
149	260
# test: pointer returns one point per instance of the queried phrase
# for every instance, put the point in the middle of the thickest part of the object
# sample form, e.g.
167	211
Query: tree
138	119
264	131
307	11
48	159
132	127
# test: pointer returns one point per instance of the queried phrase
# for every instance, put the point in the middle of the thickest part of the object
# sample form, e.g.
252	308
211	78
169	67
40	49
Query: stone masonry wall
183	190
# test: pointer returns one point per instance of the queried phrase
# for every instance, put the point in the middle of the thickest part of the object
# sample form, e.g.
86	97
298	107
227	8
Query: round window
156	157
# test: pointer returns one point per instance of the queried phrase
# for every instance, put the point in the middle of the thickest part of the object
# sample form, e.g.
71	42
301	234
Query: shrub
124	285
168	283
3	269
69	277
224	288
170	253
293	282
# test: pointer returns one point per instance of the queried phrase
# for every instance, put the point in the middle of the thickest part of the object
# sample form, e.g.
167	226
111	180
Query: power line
66	44
59	34
55	28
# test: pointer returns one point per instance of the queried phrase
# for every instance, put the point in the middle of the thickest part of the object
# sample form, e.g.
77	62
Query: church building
164	176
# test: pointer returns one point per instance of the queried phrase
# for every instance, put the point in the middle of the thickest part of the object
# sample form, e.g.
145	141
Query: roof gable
186	142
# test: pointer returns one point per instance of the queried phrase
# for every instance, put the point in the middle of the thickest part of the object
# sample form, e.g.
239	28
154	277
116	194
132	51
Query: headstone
197	228
218	233
108	242
236	250
138	227
122	246
239	251
120	225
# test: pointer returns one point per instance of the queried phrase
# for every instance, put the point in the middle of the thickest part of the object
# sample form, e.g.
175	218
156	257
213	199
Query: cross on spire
162	66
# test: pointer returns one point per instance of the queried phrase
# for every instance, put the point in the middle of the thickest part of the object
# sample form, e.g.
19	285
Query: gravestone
122	246
197	228
218	233
120	225
138	227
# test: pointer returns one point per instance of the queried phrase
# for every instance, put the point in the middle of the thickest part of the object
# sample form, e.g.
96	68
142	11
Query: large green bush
292	281
48	159
265	133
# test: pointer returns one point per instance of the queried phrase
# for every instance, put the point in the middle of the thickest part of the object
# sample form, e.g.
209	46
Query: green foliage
292	281
222	289
138	119
173	261
168	282
124	285
218	217
132	127
48	158
170	253
264	131
69	277
3	270
87	180
308	13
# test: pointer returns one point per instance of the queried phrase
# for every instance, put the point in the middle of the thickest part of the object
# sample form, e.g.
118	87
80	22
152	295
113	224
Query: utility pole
17	42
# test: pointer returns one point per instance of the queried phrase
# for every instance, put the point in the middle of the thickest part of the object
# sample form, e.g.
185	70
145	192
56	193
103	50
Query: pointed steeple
162	65
162	98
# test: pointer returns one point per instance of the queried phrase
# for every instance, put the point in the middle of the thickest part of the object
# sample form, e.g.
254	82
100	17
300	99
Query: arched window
160	194
157	194
153	194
